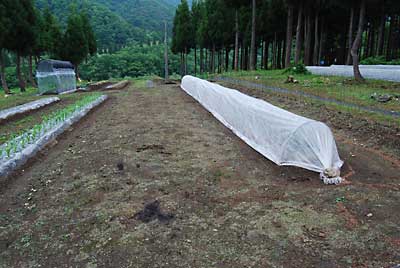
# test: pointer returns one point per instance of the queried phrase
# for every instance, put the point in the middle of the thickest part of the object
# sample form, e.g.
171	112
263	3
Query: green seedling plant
17	143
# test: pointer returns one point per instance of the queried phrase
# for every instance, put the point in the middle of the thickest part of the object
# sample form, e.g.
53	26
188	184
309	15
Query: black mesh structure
52	65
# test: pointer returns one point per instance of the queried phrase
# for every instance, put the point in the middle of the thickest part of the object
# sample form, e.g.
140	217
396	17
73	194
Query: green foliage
90	36
116	23
11	77
22	35
132	61
79	39
143	14
49	34
379	60
75	45
183	33
297	69
5	20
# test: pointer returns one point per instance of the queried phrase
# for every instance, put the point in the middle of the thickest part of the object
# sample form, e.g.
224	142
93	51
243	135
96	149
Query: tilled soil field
151	179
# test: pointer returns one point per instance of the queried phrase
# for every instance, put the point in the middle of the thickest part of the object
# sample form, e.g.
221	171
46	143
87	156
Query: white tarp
283	137
23	108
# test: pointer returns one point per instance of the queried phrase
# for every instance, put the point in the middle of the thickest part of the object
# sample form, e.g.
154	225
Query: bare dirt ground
151	179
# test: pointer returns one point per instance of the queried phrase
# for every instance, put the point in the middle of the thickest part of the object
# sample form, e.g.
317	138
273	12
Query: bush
11	76
381	60
297	69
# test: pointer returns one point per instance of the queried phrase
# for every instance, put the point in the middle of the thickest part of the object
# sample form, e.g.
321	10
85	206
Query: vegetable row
18	143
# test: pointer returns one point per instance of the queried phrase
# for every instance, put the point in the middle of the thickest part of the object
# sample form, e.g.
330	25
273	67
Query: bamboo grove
246	35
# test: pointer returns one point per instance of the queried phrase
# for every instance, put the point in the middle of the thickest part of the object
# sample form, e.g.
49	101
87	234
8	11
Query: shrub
381	60
297	69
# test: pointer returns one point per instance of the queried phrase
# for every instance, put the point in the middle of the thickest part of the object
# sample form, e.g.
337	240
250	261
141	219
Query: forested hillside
145	14
116	23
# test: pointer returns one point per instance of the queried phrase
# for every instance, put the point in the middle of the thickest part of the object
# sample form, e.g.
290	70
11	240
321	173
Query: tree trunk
3	74
307	43
31	78
283	53
236	66
227	60
298	34
316	40
218	61
289	35
262	55
367	41
253	36
206	66
213	60
185	57
357	43
321	42
201	60
350	36
371	51
182	74
397	47
242	57
381	32
256	58
222	60
265	58
389	46
246	58
195	60
166	75
274	52
278	57
19	74
78	78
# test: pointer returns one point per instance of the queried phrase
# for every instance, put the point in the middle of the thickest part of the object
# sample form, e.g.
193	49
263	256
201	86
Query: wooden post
165	52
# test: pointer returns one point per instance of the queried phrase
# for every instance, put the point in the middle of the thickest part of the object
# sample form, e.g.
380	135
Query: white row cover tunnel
379	72
281	136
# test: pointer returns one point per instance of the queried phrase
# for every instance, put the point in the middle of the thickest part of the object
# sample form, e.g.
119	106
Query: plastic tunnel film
55	76
379	72
281	136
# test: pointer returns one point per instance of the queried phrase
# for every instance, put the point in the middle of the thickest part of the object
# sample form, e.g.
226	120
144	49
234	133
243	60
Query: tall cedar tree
90	36
236	4
289	32
357	41
51	34
6	6
196	14
22	36
183	38
253	51
78	40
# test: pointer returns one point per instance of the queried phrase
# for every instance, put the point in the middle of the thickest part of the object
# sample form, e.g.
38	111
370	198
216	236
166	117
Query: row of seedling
17	143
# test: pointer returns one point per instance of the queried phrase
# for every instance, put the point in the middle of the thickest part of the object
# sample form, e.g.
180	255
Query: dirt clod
120	165
151	211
